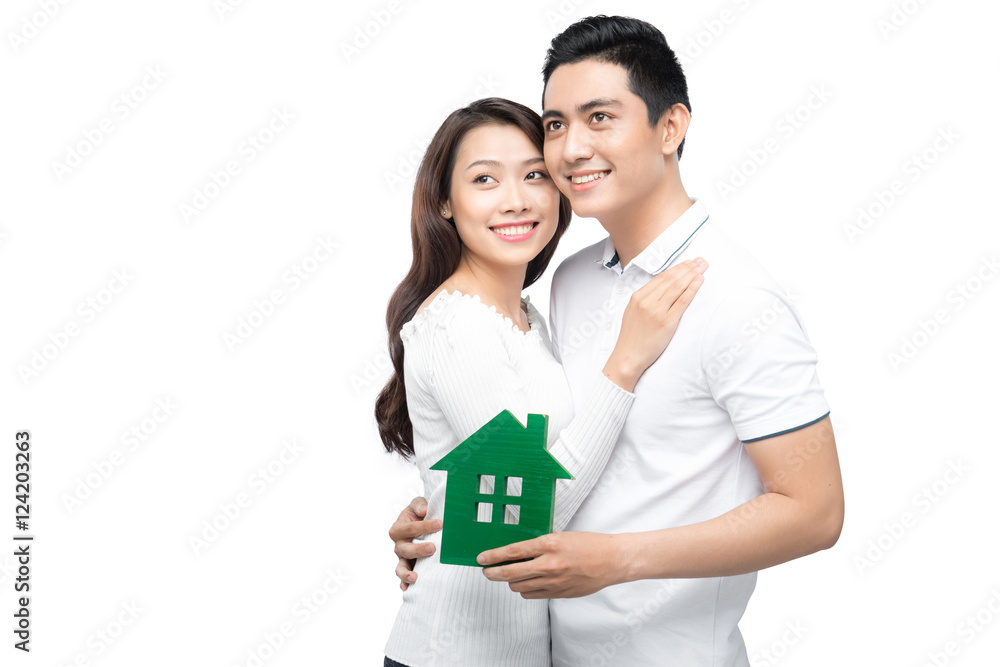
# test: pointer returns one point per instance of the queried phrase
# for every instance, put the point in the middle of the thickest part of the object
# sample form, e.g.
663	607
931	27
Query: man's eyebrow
585	107
496	164
598	102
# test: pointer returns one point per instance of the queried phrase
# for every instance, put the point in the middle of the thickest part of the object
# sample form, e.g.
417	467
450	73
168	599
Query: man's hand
563	565
409	525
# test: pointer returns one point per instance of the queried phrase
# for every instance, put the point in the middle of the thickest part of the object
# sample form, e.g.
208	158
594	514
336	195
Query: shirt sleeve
760	365
472	379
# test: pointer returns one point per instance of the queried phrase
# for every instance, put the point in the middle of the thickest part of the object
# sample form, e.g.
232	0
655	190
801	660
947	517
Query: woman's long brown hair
437	247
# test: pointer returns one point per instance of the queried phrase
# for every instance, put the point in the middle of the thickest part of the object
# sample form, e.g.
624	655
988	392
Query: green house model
482	473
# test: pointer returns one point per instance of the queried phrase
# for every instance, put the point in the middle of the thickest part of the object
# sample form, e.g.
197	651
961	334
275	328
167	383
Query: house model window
507	498
500	489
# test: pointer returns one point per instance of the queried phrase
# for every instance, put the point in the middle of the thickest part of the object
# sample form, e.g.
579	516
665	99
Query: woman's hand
650	320
408	526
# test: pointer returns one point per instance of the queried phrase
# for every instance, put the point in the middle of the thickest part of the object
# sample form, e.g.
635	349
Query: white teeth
590	177
513	230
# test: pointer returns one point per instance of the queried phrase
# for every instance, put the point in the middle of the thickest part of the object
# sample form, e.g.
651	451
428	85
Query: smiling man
727	462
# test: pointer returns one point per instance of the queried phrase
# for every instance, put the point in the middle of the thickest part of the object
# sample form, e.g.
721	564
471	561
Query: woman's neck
498	286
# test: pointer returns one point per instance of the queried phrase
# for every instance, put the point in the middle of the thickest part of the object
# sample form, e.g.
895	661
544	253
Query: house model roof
505	444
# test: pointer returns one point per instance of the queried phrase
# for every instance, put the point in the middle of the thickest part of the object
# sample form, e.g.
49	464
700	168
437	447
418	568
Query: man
727	462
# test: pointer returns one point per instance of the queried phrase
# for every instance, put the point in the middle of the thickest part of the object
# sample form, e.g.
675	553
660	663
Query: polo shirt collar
657	255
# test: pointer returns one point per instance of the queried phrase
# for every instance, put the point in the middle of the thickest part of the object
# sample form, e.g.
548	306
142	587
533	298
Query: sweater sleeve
472	379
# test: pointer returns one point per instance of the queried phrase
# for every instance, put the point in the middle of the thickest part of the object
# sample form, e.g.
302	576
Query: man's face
599	148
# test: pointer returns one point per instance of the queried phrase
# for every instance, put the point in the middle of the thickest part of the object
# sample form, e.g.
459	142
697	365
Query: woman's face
504	204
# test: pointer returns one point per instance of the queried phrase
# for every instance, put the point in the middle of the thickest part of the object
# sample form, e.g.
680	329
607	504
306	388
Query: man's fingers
404	570
413	551
418	506
513	573
407	530
516	551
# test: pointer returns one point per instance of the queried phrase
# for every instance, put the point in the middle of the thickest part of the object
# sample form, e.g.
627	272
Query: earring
444	212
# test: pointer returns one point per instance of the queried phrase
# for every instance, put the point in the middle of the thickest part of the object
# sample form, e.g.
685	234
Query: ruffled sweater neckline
445	297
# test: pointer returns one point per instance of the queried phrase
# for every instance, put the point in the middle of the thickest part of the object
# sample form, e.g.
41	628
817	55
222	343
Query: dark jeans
389	662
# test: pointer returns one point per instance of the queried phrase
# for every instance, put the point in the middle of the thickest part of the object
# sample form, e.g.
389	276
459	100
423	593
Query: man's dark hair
654	73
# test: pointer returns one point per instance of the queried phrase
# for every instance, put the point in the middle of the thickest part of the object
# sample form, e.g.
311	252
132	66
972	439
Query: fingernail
410	578
421	508
701	261
429	549
480	559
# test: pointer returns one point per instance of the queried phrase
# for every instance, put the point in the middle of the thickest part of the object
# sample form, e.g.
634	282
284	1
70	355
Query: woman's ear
674	126
446	209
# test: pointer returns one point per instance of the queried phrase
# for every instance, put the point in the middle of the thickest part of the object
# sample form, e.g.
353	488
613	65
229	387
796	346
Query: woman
485	222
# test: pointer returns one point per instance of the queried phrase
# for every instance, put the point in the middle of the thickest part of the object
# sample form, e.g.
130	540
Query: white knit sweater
464	362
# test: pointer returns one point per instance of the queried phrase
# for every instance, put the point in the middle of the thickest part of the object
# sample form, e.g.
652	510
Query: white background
341	171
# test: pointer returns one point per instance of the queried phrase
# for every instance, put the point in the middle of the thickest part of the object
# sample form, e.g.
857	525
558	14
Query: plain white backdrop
204	207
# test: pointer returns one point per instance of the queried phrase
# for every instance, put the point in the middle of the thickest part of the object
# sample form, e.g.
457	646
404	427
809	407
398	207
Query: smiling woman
465	346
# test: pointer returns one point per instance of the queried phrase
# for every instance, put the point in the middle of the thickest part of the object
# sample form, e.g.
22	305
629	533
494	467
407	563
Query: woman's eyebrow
496	164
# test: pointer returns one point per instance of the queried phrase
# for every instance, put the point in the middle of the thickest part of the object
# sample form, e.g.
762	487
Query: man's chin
586	209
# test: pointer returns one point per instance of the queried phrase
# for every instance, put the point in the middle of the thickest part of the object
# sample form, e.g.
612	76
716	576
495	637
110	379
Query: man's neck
635	229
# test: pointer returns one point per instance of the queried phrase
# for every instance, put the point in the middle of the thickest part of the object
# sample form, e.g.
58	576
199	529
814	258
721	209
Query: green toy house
482	471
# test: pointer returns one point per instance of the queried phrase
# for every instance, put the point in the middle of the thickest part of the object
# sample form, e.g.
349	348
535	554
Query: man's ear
673	126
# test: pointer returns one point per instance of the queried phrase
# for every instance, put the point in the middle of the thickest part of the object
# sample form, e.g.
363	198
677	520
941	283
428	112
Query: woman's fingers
675	283
681	303
671	283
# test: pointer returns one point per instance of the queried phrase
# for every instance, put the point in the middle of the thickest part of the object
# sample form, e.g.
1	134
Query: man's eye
599	116
554	125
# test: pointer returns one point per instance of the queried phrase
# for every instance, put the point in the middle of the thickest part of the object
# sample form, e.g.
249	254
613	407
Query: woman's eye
537	175
482	179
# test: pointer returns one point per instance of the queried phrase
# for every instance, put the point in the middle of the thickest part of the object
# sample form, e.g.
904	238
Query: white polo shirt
739	368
